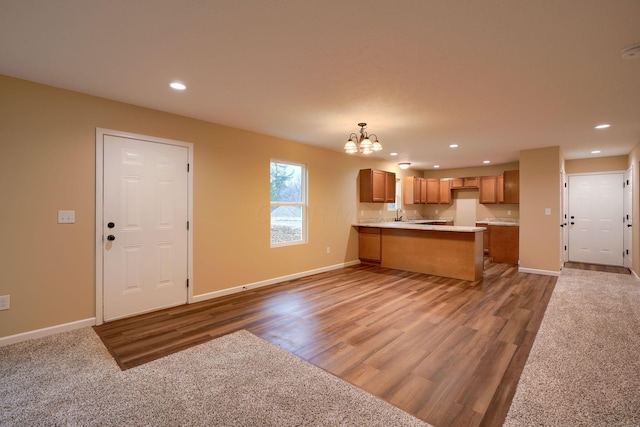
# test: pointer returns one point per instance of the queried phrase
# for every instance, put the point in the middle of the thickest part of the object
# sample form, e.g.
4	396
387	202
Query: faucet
398	218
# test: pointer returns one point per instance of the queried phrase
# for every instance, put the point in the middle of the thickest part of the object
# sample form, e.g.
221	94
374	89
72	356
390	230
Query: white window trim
304	204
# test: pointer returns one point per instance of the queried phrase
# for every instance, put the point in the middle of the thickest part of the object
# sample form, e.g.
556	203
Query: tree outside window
288	203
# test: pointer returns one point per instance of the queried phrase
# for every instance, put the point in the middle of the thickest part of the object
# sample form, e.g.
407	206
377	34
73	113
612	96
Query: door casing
99	220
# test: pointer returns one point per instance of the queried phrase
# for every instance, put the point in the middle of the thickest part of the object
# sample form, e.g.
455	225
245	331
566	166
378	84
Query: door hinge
187	225
565	247
188	167
565	185
627	251
187	283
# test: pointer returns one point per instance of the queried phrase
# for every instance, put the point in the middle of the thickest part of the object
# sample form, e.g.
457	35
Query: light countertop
498	222
413	225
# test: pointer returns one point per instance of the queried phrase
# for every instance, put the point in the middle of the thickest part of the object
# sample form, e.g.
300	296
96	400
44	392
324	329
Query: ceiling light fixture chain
363	143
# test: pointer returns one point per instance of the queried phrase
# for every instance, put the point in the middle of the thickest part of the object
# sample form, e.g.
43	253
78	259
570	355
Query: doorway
595	218
143	215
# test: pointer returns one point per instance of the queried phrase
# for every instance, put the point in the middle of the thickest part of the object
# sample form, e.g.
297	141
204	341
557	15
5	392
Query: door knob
628	225
111	237
572	217
561	225
572	222
111	225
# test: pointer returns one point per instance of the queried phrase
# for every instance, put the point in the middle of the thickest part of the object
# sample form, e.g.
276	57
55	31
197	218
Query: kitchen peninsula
441	250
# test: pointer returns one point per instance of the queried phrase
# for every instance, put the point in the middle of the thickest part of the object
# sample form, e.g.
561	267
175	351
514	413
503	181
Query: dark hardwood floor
448	351
597	267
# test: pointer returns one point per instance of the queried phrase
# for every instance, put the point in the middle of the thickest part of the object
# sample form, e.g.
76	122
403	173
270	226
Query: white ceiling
494	76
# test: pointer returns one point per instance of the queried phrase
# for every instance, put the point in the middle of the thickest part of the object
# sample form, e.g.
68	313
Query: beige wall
540	186
597	164
47	163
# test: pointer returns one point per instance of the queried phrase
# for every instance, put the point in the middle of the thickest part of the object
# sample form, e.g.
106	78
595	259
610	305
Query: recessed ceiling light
453	145
393	154
603	126
486	162
436	166
595	152
177	86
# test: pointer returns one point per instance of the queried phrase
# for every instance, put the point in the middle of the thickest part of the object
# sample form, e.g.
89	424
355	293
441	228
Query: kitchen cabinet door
369	244
500	188
414	190
433	190
471	182
445	191
488	189
512	186
423	190
505	241
457	183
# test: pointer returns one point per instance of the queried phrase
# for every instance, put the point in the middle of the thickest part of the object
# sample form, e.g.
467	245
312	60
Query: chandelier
363	143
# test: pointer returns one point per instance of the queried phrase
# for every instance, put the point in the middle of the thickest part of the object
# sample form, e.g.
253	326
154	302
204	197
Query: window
288	203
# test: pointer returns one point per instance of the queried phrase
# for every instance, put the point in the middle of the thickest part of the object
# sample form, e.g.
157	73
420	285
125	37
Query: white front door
595	218
628	217
144	225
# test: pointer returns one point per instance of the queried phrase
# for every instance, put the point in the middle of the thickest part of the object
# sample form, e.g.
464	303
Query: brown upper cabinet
433	190
512	186
488	189
445	191
418	191
468	182
377	186
503	188
414	190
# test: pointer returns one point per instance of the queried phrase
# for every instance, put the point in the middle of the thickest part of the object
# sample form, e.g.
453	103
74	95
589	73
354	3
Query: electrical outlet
509	212
328	249
5	302
66	217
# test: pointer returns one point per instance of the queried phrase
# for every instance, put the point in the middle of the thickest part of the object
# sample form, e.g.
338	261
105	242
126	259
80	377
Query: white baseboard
254	285
52	330
536	271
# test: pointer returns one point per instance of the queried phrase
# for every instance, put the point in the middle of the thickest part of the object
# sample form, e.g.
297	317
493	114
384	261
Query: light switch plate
66	217
547	211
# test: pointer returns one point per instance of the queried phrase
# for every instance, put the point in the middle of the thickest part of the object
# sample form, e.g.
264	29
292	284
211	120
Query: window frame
303	204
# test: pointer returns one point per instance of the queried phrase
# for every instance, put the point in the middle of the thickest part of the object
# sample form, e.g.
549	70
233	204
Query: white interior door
144	226
595	218
628	217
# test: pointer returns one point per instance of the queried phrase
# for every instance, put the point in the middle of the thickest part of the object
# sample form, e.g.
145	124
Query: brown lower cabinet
504	243
369	244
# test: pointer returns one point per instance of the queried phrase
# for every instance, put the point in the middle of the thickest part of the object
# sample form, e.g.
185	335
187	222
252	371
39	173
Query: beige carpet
584	367
236	380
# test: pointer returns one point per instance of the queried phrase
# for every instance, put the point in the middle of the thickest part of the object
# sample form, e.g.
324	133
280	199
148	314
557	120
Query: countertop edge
422	227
